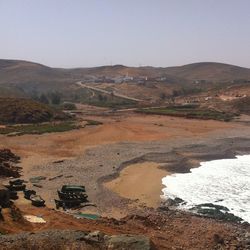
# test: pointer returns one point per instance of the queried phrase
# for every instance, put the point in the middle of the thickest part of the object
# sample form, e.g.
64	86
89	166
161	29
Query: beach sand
141	182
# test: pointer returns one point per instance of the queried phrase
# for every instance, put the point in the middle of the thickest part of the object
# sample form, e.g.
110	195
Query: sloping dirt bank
167	229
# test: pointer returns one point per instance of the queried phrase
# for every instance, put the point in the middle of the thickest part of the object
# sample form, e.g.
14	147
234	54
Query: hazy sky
80	33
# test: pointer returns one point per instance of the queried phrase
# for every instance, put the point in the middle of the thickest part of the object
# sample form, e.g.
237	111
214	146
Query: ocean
223	182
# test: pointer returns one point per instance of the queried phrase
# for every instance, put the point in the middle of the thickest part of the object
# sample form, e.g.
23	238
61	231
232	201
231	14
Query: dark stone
218	239
216	212
172	202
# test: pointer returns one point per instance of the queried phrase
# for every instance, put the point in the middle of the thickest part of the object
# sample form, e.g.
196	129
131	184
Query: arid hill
22	78
16	71
27	77
210	71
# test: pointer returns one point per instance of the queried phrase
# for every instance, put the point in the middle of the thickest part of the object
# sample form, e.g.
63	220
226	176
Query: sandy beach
140	182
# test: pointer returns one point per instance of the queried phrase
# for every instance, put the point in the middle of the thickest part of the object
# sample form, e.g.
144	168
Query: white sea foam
224	182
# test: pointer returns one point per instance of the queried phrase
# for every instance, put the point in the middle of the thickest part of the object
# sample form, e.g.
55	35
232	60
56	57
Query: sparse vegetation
186	91
93	123
189	111
114	104
20	110
50	127
43	99
38	128
69	106
163	96
55	98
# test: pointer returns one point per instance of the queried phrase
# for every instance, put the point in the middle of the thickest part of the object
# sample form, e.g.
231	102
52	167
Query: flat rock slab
131	242
71	239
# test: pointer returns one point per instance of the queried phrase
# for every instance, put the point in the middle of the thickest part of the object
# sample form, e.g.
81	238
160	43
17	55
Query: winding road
114	93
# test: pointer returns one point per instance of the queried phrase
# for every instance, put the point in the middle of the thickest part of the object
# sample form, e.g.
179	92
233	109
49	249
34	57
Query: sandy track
108	92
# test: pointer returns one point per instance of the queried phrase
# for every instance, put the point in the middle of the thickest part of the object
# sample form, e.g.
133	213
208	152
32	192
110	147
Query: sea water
222	182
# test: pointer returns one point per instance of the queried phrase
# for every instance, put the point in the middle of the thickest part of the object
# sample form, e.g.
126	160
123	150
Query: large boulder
7	164
71	239
4	197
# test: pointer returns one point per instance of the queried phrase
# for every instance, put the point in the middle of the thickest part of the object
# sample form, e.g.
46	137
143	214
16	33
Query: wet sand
141	181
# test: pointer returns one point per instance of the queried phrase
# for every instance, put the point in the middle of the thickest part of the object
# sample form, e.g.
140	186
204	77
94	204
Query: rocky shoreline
161	230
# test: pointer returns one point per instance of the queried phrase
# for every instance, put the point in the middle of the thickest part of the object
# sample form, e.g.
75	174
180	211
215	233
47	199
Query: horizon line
123	65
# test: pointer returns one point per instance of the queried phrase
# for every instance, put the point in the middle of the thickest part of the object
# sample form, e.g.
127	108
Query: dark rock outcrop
7	164
215	211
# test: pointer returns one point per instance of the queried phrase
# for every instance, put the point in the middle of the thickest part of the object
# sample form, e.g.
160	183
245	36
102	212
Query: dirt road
114	93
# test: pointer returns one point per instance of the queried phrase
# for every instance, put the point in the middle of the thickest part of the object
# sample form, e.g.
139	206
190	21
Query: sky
86	33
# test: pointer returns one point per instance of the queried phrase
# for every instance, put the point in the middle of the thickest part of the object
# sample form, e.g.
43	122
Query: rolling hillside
24	78
210	71
15	71
28	77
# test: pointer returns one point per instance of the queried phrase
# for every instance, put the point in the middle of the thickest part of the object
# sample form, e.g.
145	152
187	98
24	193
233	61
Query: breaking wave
223	182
